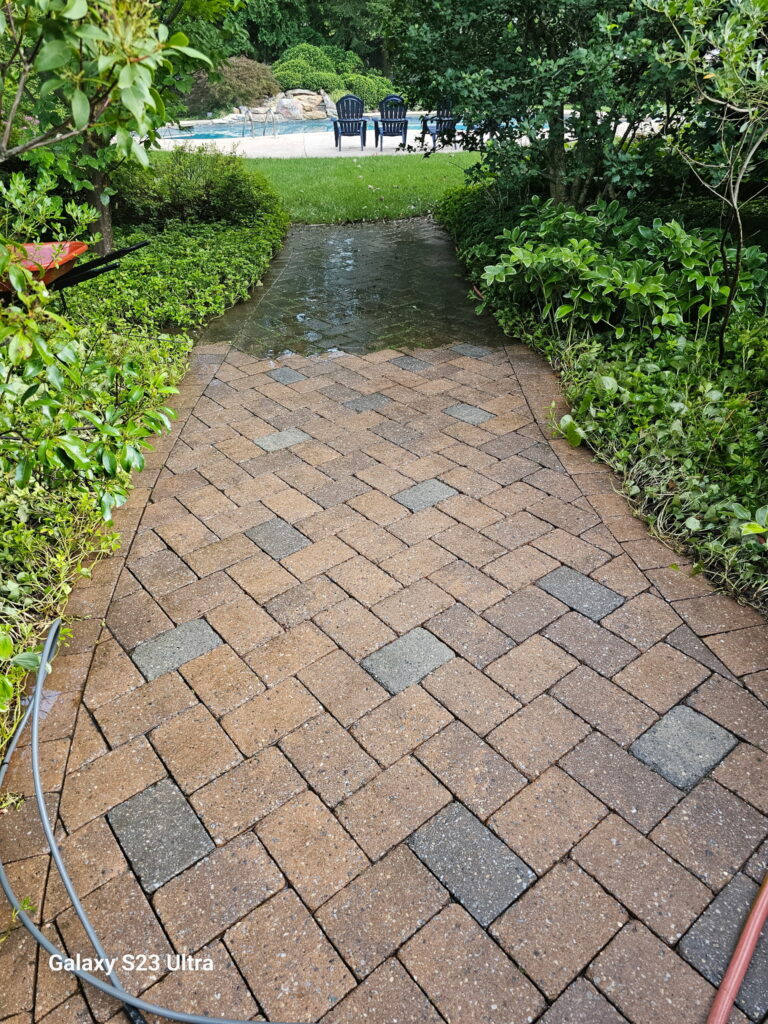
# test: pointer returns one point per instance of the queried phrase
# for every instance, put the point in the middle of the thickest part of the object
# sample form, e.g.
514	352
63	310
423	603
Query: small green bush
295	74
345	62
327	81
298	74
370	88
317	57
240	82
200	185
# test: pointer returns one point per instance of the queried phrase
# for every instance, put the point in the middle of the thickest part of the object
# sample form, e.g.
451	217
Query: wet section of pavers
390	710
357	287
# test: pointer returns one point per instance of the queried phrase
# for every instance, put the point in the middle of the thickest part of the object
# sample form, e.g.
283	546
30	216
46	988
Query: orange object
48	260
742	955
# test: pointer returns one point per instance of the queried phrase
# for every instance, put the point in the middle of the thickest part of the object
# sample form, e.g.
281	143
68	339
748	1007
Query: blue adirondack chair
442	124
392	122
349	120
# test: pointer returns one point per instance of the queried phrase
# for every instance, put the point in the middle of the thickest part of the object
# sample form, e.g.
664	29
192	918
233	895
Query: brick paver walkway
398	715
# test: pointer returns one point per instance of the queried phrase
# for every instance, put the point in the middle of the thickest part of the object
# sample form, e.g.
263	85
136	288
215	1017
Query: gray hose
132	1005
46	658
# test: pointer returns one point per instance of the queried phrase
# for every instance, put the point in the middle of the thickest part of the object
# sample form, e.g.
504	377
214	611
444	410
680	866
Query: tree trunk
103	224
556	154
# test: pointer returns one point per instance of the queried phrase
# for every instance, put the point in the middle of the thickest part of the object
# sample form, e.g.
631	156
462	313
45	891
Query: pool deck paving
296	144
390	708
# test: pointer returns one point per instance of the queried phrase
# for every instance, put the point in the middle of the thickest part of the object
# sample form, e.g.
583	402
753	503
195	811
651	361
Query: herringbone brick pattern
394	711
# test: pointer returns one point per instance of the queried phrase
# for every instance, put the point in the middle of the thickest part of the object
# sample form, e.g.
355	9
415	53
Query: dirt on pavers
418	694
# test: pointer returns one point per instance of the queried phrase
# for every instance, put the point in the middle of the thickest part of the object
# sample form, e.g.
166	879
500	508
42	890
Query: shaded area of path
357	287
389	708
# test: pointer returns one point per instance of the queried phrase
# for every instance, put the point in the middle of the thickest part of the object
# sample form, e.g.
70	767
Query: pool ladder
270	118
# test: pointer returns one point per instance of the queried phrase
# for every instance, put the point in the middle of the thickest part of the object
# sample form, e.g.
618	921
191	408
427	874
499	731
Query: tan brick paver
311	777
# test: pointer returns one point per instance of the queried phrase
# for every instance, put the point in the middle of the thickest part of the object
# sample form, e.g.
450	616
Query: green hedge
188	274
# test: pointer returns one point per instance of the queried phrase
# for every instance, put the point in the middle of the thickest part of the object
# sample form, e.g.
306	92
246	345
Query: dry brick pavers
397	714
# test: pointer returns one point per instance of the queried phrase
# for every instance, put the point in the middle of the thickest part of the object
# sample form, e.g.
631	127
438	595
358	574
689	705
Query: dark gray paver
422	495
710	941
411	363
582	1004
278	538
580	592
474	864
366	403
407	660
285	375
683	746
160	833
282	439
176	647
685	640
468	413
473	351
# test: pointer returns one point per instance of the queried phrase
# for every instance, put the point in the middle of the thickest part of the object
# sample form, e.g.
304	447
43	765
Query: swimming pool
240	128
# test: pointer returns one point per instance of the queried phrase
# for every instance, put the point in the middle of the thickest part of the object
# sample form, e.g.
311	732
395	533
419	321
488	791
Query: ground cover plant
387	187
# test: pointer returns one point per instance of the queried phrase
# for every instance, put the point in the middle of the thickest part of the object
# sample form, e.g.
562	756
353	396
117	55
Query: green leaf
693	524
81	109
53	54
23	471
75	9
740	512
6	646
28	660
562	311
752	528
188	51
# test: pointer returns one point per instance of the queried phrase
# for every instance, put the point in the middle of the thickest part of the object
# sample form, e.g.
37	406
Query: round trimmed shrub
316	57
370	88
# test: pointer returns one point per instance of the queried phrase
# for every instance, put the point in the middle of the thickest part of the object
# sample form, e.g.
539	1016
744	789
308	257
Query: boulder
290	109
328	105
301	92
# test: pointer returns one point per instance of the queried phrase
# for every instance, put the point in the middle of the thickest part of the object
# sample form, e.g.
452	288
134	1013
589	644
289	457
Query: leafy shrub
240	82
476	214
320	58
200	185
330	82
628	313
298	74
603	271
77	406
329	67
345	62
188	274
370	88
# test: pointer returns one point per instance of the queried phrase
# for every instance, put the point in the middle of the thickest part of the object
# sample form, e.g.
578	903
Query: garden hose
133	1006
740	959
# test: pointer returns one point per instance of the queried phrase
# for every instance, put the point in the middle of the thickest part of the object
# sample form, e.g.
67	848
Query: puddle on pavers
358	287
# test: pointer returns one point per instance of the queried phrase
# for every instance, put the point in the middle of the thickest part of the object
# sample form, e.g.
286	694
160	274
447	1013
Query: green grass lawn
317	190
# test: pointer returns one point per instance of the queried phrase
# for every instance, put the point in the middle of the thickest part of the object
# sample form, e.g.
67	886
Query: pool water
238	129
